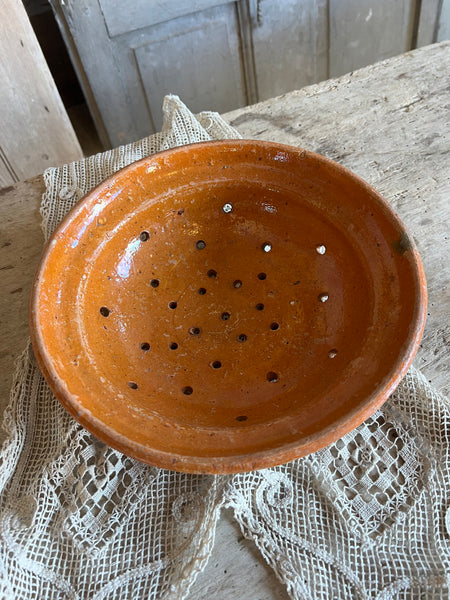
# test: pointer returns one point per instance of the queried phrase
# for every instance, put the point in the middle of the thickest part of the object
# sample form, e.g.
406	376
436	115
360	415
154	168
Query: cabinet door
221	54
196	56
290	44
131	53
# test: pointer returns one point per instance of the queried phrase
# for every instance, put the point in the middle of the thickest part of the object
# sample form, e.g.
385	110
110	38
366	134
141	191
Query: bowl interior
227	306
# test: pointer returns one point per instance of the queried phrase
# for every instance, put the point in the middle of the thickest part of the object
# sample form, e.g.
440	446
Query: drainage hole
272	377
194	331
320	249
237	283
173	345
262	276
173	305
154	283
144	236
211	273
216	364
133	385
187	390
202	291
225	316
104	311
259	306
274	326
242	337
332	353
266	247
242	418
145	346
200	245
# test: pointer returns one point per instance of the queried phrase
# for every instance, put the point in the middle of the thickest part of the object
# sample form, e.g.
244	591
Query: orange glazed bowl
227	306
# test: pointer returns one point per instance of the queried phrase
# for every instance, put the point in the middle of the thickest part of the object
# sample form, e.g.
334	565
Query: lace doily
367	517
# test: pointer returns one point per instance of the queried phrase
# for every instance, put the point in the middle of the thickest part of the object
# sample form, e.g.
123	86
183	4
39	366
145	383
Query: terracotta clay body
227	306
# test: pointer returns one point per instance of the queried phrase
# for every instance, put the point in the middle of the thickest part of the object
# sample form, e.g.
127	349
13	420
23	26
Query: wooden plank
21	242
35	130
288	45
129	15
363	32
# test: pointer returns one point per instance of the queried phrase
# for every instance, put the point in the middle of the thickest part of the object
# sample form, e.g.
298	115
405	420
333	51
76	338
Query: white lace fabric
367	517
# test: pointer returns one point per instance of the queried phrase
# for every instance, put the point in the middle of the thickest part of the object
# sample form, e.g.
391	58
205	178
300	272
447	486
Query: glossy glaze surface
227	306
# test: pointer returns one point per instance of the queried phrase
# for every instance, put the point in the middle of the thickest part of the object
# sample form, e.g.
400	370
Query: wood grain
21	242
386	122
35	131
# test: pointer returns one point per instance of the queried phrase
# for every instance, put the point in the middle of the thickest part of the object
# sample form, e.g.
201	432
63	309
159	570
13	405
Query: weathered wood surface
35	131
386	122
21	242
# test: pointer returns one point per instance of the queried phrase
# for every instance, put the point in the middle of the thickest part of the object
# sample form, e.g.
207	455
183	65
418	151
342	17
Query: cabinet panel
197	56
129	15
363	32
205	74
290	45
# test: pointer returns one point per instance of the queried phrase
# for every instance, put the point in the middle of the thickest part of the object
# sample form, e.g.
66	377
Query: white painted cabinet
218	54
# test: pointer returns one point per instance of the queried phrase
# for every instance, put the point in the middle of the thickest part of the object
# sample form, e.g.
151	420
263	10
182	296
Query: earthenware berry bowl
227	306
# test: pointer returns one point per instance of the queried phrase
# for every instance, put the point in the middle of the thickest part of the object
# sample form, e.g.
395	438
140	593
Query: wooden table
389	123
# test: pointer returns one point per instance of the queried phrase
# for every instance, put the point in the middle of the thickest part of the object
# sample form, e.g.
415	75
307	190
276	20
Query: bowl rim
264	458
